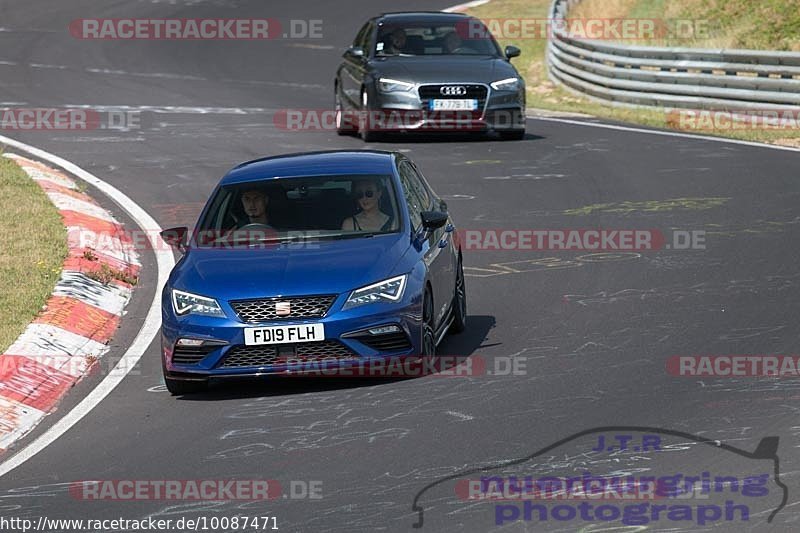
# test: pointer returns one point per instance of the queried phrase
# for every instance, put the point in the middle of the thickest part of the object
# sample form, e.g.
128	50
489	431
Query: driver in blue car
256	203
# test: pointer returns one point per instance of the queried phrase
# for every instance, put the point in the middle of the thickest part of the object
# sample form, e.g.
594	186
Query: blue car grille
263	310
388	342
191	356
246	356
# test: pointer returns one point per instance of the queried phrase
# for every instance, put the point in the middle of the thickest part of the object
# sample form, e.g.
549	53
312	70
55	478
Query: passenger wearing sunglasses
370	217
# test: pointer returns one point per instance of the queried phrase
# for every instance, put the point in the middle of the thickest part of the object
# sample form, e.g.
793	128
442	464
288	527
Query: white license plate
454	105
284	334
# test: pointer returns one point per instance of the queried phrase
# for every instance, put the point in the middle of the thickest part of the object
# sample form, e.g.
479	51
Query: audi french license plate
284	334
468	104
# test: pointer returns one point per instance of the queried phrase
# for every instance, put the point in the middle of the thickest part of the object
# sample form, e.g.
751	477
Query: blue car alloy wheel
348	264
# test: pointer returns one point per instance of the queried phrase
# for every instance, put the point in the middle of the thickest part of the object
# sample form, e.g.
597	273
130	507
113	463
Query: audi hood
445	69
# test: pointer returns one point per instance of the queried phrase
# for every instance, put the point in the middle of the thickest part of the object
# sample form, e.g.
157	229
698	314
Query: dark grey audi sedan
428	72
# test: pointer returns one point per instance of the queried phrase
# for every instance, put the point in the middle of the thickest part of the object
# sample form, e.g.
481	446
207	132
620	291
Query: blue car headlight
390	290
185	303
388	85
508	84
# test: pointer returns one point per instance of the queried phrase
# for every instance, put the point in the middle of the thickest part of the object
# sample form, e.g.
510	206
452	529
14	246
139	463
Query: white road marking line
312	46
467	5
665	133
187	110
164	260
41	65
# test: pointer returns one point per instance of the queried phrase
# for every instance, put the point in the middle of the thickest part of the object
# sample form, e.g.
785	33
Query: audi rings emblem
453	90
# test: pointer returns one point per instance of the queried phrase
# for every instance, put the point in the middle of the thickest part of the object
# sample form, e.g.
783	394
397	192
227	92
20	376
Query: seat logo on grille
453	90
283	308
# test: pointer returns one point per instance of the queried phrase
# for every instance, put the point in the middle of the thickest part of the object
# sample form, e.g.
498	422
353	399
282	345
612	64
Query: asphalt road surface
593	332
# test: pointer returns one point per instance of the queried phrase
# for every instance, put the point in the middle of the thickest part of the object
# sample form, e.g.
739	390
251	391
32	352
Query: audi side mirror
512	51
355	52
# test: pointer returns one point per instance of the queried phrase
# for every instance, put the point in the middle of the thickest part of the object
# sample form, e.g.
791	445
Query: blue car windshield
465	38
299	209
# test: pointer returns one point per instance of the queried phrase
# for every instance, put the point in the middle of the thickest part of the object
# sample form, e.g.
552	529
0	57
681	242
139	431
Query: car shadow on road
416	138
455	349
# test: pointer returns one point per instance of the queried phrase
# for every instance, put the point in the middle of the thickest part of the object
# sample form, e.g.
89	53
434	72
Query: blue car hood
316	267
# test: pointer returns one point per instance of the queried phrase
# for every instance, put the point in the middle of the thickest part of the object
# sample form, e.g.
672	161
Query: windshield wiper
363	234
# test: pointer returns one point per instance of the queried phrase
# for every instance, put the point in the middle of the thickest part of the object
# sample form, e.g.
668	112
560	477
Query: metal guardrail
696	78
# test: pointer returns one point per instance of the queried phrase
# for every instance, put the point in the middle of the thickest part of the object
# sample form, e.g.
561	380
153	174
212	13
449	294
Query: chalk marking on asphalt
462	416
165	75
164	261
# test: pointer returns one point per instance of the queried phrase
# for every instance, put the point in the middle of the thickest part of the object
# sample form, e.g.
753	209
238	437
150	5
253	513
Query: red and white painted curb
71	334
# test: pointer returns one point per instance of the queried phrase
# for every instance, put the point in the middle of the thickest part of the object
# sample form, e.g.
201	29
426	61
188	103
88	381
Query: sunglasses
362	194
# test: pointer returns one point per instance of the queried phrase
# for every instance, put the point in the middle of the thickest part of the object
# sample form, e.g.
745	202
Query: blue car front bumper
348	341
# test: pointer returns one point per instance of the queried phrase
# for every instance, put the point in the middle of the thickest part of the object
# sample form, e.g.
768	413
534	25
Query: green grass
776	26
756	24
32	250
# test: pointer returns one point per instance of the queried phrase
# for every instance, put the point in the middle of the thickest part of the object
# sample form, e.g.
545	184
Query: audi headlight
185	303
390	290
508	84
388	85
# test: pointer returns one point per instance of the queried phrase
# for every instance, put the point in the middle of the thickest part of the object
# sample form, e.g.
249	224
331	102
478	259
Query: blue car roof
330	163
422	16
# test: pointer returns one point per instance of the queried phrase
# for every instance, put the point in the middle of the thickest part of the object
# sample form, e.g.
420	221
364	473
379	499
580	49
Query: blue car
334	258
